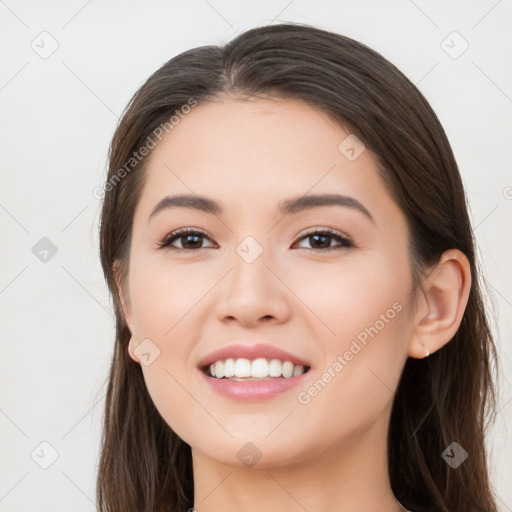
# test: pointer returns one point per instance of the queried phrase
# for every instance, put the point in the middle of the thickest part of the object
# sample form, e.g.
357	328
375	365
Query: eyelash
345	242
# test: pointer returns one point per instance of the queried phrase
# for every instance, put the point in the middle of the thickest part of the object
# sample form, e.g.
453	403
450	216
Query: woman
299	319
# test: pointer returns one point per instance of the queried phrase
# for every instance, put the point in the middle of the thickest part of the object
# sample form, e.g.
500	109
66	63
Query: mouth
257	380
252	372
259	369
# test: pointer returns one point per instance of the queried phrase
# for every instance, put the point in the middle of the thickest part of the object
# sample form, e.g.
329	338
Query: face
252	273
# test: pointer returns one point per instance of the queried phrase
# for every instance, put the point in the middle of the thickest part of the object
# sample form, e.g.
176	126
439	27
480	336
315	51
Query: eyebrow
287	207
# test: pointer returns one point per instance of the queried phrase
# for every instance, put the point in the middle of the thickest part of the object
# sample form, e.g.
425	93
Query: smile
260	368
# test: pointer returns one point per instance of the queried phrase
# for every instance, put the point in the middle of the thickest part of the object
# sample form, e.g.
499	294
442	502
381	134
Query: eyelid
333	233
347	241
164	243
320	229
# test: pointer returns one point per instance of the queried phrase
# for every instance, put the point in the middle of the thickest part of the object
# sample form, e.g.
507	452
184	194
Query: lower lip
252	390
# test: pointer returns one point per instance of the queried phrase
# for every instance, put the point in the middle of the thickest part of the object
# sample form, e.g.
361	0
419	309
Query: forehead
258	150
266	129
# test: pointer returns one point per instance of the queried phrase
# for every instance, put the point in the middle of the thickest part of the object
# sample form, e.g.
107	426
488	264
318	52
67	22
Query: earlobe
444	300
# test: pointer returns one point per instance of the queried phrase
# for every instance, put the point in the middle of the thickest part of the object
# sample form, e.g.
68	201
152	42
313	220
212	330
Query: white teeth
261	368
219	369
275	368
298	370
229	367
242	368
287	369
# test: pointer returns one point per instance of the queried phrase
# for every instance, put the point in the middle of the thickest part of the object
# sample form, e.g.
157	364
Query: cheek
166	309
363	330
342	298
162	294
355	385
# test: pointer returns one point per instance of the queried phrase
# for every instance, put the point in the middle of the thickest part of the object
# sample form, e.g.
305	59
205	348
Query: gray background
58	111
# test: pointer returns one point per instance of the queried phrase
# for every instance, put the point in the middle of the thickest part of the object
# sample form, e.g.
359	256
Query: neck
348	478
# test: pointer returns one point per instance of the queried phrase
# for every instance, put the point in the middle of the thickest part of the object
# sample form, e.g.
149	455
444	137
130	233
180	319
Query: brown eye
321	240
191	239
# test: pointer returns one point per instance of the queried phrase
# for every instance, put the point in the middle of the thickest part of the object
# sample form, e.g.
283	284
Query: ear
123	296
441	305
125	305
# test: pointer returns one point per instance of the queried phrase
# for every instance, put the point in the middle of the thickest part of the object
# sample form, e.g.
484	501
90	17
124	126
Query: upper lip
251	352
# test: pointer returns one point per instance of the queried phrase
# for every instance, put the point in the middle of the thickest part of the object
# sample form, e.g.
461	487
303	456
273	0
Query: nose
253	293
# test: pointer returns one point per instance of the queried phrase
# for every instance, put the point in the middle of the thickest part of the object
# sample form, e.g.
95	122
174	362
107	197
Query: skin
328	454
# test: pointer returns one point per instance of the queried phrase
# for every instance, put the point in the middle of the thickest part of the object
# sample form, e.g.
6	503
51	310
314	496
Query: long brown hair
450	397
